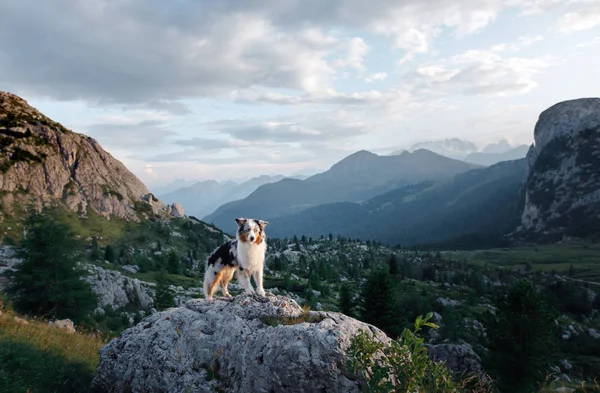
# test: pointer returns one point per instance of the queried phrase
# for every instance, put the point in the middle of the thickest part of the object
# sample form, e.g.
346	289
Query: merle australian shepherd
245	255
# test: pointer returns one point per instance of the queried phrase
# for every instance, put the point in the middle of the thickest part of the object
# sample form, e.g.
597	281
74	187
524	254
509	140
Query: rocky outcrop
562	185
41	161
460	358
118	291
245	344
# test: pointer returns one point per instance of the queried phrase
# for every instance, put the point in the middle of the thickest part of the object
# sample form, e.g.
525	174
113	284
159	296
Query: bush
404	367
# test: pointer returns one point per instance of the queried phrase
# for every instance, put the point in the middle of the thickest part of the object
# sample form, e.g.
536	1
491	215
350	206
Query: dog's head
251	230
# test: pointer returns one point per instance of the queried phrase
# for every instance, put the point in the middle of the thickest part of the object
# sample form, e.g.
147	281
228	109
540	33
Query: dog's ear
262	224
240	221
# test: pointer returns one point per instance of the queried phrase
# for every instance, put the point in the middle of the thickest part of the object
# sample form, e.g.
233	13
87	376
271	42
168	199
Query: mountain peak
41	161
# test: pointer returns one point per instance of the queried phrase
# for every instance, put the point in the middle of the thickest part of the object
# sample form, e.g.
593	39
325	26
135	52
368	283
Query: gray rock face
227	346
116	290
562	185
460	358
42	161
177	210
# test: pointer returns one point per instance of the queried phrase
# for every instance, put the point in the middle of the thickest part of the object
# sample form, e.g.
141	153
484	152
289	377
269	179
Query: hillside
202	198
481	201
491	157
357	177
41	161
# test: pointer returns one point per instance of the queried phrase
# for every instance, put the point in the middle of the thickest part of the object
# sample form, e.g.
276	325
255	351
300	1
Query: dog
245	255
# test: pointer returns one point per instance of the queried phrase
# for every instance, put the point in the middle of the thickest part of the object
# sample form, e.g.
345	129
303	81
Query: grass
306	316
36	357
585	258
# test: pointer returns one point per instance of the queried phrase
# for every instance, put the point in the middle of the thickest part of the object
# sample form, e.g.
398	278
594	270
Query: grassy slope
585	258
36	357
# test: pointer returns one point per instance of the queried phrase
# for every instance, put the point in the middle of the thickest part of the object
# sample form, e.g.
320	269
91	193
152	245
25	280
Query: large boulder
118	291
244	344
460	358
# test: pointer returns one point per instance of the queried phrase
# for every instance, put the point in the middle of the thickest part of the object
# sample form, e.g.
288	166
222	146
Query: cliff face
562	184
42	161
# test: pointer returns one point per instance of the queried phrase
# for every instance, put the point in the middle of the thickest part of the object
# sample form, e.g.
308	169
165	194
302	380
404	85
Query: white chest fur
251	256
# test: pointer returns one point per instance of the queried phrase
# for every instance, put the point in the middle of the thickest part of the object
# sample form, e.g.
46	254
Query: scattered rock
118	291
21	321
65	324
566	365
593	333
564	389
447	302
131	268
227	345
460	358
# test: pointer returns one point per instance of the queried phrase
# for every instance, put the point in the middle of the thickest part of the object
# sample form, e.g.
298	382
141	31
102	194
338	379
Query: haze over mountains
358	177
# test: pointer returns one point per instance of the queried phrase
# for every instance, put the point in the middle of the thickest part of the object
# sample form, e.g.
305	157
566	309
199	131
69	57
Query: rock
20	321
437	318
460	358
65	324
131	268
564	389
566	365
593	333
227	345
447	302
118	291
65	167
562	184
99	312
177	210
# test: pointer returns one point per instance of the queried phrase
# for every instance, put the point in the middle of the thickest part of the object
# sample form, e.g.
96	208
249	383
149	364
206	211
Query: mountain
496	148
204	197
453	148
562	187
172	186
480	201
41	161
491	157
357	177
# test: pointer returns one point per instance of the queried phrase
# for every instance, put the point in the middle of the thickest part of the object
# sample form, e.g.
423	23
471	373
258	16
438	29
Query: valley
428	234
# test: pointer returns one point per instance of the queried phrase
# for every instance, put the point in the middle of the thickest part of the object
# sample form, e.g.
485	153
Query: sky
199	89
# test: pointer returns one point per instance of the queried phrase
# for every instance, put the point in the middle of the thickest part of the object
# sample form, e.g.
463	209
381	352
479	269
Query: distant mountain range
202	198
481	201
469	152
358	177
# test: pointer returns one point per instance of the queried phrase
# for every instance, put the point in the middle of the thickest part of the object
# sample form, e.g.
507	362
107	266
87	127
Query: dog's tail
209	278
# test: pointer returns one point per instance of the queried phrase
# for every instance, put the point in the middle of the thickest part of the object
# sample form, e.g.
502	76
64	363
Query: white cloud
578	21
378	76
595	41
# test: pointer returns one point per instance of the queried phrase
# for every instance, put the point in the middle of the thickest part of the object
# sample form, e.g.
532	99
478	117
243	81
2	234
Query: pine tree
345	303
96	253
173	264
393	265
109	254
522	338
49	280
378	301
164	297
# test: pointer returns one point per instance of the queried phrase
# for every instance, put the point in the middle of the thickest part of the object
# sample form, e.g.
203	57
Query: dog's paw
260	292
228	295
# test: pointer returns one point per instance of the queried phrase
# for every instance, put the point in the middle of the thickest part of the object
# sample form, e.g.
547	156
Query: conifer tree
49	280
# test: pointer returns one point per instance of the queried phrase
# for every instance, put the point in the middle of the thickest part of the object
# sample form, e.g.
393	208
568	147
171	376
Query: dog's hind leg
225	278
212	279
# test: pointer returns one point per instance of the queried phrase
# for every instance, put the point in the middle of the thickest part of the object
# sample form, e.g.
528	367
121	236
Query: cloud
577	21
595	41
378	76
134	51
147	133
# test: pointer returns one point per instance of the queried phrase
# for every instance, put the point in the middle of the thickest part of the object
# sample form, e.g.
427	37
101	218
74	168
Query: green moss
110	192
306	316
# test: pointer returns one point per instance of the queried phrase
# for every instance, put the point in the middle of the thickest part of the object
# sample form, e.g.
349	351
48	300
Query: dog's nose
251	238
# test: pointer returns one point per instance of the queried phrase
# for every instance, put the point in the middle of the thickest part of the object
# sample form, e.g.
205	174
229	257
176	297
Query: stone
131	268
65	324
566	365
233	345
118	291
593	333
460	358
20	321
177	210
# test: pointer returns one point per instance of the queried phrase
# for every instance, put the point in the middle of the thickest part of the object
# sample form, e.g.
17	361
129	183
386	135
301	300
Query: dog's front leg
258	279
243	277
